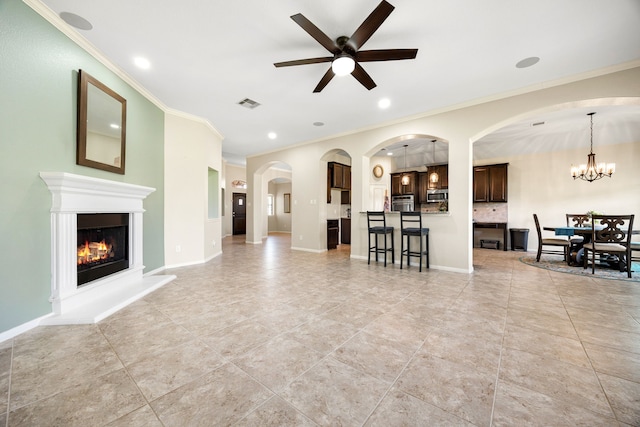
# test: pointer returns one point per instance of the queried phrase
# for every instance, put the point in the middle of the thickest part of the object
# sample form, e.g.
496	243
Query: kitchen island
438	236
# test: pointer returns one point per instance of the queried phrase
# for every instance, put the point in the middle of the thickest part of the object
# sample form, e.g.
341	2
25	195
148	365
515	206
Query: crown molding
55	20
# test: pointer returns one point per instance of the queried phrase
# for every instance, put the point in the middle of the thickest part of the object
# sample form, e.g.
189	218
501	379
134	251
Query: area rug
557	264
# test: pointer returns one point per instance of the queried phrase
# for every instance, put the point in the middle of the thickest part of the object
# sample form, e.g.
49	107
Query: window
270	205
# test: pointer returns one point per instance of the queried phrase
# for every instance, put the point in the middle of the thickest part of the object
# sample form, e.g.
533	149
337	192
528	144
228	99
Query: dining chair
613	237
550	241
577	220
377	226
411	226
635	251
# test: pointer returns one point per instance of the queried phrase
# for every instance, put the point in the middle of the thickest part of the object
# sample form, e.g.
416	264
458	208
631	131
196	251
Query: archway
258	197
419	157
542	145
335	208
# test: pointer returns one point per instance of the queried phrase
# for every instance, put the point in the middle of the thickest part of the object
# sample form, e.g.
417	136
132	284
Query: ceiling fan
345	50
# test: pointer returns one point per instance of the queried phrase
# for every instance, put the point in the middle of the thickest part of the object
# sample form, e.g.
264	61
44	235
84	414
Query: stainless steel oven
402	203
437	196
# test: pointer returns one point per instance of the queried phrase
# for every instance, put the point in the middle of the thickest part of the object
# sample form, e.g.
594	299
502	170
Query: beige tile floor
263	335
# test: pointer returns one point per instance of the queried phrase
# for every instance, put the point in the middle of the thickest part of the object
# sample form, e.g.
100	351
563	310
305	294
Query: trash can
519	238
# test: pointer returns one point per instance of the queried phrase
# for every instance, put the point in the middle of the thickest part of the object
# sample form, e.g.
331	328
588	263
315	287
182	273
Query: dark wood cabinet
490	183
397	189
338	177
345	231
443	183
332	233
423	187
346	177
345	197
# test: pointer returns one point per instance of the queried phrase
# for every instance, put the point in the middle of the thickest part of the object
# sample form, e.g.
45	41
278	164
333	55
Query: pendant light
433	176
405	178
592	171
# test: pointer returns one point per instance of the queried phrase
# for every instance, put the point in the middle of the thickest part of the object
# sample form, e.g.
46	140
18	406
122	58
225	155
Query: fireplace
103	245
96	247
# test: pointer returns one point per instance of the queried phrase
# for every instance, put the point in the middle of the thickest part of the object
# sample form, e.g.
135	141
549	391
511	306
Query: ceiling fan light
343	65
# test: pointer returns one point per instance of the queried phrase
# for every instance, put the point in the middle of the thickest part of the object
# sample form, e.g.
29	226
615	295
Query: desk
498	225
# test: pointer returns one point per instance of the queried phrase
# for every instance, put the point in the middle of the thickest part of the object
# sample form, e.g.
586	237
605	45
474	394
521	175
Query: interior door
239	213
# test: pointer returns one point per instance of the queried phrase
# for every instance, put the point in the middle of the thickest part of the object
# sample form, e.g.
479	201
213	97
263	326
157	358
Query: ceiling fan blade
363	77
385	55
304	61
370	25
316	33
325	80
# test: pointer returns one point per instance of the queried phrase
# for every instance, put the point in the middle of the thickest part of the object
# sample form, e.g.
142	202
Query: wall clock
378	171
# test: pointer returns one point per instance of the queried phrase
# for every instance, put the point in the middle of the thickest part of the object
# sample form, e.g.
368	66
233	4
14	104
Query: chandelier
592	170
405	178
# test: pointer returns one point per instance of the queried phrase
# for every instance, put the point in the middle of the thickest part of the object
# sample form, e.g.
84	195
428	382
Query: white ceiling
206	56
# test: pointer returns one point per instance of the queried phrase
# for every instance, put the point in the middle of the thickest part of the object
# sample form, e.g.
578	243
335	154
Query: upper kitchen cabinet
397	189
490	183
339	175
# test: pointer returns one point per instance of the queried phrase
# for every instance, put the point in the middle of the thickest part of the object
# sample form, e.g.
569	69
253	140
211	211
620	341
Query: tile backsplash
490	212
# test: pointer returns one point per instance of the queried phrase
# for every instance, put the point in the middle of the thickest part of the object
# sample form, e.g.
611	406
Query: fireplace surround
76	194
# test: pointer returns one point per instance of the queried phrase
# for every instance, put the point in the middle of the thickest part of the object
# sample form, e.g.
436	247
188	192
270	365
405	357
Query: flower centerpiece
591	213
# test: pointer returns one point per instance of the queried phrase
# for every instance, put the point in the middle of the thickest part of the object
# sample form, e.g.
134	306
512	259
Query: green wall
38	79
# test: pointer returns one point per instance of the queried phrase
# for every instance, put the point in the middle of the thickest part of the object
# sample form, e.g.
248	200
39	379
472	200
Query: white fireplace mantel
73	194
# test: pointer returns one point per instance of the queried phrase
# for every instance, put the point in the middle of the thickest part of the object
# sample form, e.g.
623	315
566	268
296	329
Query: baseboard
315	251
21	329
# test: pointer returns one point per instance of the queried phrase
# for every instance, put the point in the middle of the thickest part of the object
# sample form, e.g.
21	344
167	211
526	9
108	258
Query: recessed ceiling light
389	153
272	135
384	103
142	62
114	126
318	124
528	62
76	21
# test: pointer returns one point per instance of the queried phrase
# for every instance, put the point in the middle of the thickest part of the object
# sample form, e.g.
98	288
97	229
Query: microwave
437	196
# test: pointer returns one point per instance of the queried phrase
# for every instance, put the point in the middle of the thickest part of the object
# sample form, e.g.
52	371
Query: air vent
249	103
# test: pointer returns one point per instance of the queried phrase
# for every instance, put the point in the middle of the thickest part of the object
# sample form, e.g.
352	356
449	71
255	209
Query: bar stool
377	224
410	226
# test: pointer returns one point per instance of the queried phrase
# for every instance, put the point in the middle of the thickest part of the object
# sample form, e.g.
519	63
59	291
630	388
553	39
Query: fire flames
92	252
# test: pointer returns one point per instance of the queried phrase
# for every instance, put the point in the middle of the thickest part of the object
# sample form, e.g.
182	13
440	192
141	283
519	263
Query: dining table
576	251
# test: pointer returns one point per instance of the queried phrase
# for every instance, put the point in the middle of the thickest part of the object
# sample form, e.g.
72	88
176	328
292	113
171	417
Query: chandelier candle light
405	178
433	176
592	170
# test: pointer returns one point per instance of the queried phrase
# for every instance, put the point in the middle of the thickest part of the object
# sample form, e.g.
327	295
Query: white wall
191	148
451	235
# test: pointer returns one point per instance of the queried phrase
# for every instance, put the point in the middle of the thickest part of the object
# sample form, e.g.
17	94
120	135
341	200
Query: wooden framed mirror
287	202
102	122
